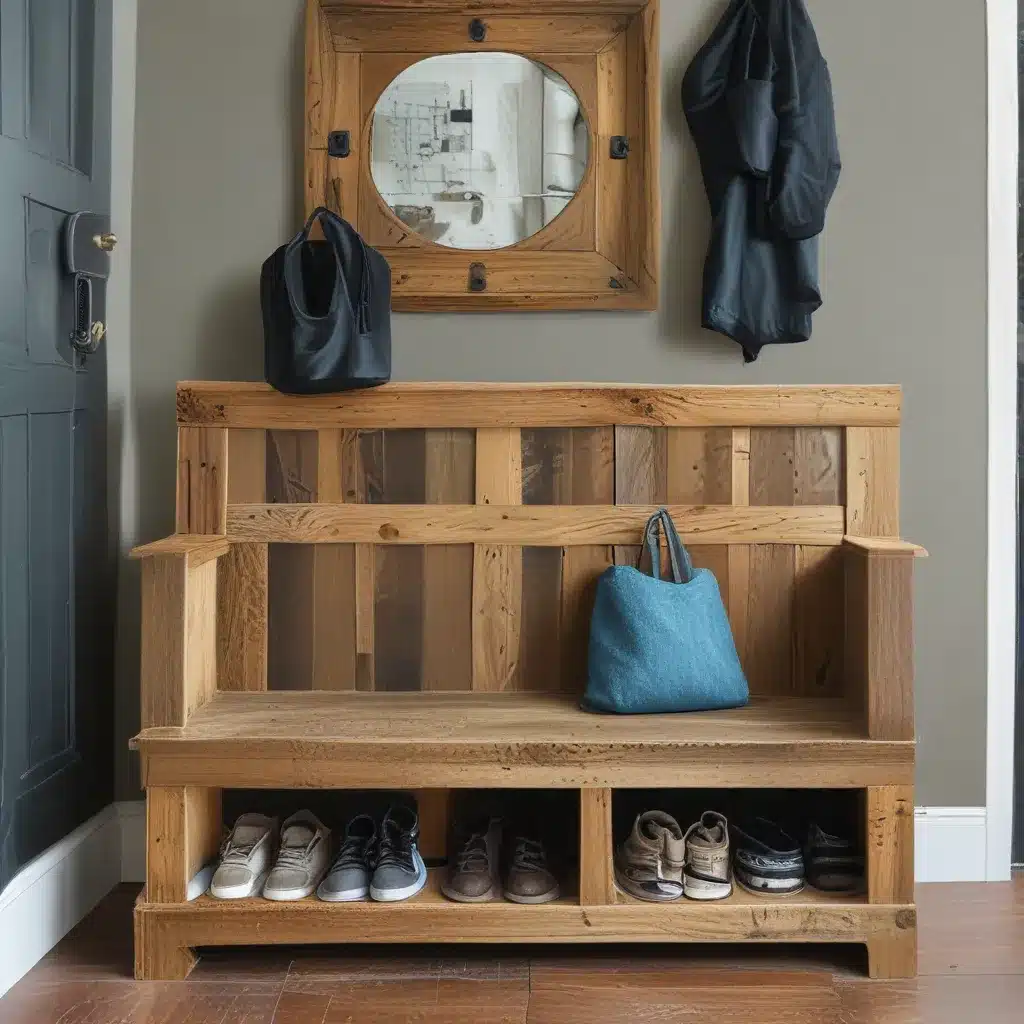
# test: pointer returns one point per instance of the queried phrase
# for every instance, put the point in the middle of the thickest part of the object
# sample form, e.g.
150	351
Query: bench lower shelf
165	934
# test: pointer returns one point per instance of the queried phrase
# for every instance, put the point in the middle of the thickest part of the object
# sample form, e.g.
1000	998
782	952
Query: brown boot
529	878
473	876
649	864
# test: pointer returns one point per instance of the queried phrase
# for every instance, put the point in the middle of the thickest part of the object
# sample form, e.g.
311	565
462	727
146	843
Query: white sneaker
302	858
245	858
706	870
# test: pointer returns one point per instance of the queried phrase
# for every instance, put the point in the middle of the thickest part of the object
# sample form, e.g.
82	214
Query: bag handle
679	558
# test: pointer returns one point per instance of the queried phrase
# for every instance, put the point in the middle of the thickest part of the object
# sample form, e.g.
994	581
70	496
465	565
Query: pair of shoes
475	875
255	860
769	860
658	862
382	863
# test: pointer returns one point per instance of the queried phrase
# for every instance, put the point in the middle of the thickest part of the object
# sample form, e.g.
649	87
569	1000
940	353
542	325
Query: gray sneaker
706	874
245	858
349	877
649	864
473	876
399	872
302	858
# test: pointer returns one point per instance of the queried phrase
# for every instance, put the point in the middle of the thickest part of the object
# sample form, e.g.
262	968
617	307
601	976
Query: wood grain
527	33
612	175
448	569
178	657
451	405
557	526
477	740
872	481
292	465
880	640
497	568
890	844
183	832
202	479
242	589
197	549
818	621
597	877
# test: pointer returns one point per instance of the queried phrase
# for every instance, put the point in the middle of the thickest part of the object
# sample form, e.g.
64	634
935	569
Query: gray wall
217	187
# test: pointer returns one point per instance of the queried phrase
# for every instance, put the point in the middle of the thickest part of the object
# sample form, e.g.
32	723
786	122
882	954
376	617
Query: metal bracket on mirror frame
477	31
619	147
339	144
477	277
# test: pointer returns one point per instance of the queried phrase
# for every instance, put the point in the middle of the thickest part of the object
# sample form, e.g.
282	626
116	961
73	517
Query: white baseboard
132	816
949	844
52	893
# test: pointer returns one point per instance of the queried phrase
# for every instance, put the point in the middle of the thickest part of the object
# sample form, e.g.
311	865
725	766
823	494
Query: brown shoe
473	876
529	878
649	864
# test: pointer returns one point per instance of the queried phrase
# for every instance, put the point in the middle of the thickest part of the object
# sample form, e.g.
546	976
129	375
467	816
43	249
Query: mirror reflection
478	150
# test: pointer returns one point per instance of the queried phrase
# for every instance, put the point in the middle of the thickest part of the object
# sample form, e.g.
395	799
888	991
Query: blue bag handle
679	558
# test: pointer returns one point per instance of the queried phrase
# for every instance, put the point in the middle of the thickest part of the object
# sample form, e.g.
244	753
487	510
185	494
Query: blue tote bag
659	645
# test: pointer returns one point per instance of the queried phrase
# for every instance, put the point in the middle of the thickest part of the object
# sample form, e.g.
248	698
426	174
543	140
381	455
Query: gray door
55	571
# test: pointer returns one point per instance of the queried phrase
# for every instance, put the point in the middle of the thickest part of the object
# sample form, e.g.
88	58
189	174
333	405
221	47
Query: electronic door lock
88	242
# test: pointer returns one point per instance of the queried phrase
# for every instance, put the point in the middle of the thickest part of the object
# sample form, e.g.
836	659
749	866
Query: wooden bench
392	589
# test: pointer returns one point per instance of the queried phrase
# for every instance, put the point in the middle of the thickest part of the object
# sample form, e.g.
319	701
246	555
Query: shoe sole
407	892
707	891
292	895
460	897
771	892
632	889
240	892
545	897
343	895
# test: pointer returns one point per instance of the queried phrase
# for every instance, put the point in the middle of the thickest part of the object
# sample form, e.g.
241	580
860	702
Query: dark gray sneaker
399	871
834	862
349	877
768	860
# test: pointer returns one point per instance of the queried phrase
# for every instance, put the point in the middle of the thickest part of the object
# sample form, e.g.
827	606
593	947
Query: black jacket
758	98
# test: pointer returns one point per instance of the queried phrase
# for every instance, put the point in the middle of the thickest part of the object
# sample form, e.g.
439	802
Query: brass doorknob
106	241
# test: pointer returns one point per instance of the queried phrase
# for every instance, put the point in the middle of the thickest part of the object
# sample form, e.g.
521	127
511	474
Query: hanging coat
758	99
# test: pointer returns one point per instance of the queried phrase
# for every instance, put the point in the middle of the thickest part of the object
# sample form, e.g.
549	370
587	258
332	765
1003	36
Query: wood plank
247	465
334	576
768	651
321	84
591	476
873	481
197	549
643	168
242	590
597	877
398	616
880	641
497	568
179	660
556	526
528	33
737	579
202	479
493	7
612	183
292	457
450	405
448	569
890	844
183	832
886	546
367	485
641	475
818	621
338	740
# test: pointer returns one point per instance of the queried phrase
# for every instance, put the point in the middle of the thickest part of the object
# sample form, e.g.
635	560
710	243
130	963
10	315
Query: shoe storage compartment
391	590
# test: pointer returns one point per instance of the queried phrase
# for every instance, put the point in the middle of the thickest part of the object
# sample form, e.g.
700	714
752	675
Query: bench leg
893	955
597	877
183	832
158	956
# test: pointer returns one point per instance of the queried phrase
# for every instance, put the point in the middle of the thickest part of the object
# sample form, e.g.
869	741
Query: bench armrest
880	633
179	626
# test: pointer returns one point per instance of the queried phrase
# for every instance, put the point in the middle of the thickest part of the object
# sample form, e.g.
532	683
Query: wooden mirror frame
603	250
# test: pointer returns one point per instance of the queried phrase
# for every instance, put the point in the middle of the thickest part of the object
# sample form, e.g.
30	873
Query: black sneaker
834	863
767	859
399	871
349	877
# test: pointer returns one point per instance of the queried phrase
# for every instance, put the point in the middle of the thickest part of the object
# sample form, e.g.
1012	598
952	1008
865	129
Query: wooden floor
971	972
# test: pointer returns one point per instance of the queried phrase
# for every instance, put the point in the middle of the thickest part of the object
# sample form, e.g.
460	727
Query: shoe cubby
390	592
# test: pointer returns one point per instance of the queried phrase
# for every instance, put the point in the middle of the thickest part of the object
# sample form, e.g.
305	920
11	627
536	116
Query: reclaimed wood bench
391	589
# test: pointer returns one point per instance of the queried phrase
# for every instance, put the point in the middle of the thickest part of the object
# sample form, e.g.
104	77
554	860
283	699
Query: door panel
56	566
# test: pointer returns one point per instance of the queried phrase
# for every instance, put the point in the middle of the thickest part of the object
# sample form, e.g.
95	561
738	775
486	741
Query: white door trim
1002	432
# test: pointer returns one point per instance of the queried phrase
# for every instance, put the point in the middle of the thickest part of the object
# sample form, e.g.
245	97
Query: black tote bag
326	311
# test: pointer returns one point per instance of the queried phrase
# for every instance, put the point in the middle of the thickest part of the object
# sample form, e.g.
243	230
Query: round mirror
478	150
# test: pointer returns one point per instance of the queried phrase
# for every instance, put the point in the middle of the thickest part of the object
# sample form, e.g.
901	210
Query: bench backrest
406	539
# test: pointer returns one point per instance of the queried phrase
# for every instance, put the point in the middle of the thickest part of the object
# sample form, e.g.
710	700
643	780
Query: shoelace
395	849
353	852
529	855
296	856
233	852
473	855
